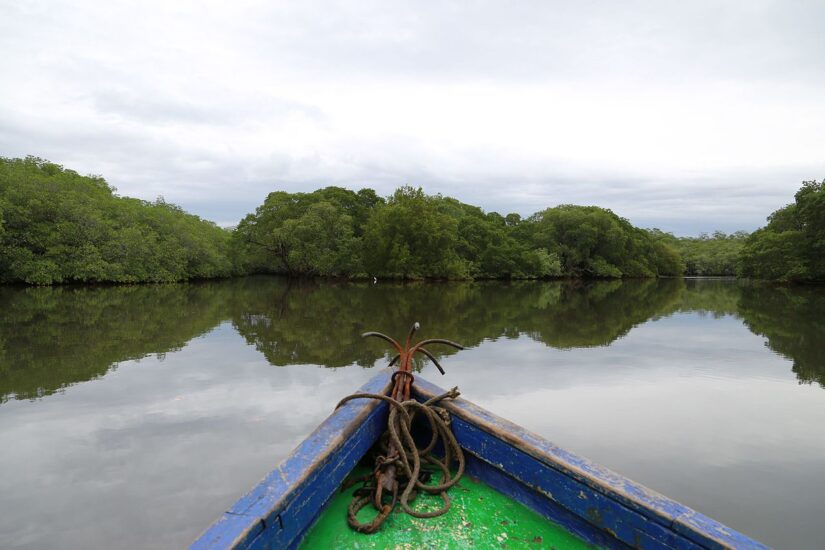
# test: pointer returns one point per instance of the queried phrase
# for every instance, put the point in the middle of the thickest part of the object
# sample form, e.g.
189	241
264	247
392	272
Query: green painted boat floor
479	517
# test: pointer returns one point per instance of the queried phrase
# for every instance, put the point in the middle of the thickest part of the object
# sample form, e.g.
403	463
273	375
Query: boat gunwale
654	506
254	512
330	446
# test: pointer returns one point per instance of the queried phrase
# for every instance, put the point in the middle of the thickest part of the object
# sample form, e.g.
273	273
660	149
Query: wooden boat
547	496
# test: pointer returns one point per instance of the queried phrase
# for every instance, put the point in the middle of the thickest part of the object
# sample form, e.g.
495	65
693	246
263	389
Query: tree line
57	226
791	247
717	254
411	235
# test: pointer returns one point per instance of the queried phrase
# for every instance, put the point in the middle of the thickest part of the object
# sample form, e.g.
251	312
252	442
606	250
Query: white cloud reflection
151	453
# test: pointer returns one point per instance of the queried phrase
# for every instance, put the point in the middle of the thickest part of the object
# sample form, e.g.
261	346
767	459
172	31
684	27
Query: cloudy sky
688	116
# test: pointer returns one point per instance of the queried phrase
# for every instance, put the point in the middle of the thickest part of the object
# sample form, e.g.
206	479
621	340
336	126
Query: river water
131	417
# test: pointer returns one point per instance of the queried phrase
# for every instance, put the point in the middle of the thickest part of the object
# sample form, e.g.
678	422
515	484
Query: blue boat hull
596	504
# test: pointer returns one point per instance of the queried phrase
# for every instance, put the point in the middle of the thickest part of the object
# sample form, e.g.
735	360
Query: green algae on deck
480	517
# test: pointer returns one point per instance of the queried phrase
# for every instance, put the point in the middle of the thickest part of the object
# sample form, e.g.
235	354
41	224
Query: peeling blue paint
591	501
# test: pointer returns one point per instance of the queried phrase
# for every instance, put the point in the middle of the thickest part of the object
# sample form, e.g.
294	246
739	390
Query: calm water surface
131	417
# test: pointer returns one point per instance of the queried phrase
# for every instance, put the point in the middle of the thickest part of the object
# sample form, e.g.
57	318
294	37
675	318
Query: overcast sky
688	116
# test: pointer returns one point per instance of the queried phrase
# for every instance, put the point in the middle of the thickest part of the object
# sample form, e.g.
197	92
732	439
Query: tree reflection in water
53	337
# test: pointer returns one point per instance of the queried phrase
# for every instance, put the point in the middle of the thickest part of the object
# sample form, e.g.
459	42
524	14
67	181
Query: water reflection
669	382
792	319
54	337
321	323
716	297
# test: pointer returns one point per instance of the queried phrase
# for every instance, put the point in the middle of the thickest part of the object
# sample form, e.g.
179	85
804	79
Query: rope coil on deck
409	458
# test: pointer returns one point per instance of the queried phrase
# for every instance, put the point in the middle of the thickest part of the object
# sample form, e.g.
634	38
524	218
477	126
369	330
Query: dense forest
705	255
57	226
412	235
792	246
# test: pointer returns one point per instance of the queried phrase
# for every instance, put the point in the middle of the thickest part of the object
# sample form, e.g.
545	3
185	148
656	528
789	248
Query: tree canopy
413	235
791	247
594	242
57	226
716	254
318	233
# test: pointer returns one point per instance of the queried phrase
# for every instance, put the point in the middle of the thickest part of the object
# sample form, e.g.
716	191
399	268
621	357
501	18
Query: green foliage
810	203
59	226
705	255
594	242
413	237
316	233
775	256
792	246
488	244
785	219
417	236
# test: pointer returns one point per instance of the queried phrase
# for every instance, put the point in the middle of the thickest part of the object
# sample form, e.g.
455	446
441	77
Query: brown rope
409	458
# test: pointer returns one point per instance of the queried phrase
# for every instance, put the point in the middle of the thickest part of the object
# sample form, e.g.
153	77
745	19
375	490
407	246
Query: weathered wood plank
298	515
516	490
290	497
623	507
601	512
593	502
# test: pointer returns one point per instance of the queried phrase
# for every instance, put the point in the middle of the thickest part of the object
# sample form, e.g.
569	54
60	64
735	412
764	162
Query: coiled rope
409	458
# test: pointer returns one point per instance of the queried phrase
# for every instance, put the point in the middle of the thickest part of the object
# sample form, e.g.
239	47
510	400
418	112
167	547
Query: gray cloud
686	116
